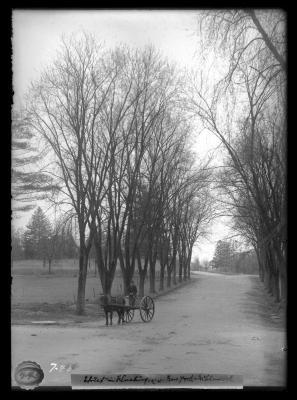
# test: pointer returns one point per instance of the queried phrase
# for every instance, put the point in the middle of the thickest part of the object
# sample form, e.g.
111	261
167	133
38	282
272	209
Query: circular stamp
28	375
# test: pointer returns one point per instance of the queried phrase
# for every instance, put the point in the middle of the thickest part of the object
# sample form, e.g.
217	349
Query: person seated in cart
132	293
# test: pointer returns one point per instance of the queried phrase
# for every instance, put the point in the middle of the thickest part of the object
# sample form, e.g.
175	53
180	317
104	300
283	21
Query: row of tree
246	110
117	140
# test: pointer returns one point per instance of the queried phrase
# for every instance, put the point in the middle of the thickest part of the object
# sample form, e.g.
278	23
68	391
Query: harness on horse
111	304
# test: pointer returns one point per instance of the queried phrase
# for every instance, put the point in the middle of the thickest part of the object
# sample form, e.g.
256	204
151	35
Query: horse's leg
106	316
111	312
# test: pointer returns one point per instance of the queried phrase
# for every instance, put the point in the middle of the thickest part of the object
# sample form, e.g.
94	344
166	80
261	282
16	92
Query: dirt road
216	324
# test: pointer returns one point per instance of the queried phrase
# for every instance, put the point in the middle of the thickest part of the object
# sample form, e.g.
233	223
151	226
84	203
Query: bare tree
64	109
246	111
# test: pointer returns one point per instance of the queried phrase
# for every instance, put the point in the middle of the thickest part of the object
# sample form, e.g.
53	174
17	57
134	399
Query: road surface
216	324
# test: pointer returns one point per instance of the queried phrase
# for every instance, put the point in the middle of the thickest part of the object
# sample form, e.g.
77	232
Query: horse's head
104	299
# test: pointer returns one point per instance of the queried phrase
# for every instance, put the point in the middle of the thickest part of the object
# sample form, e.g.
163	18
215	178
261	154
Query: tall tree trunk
275	287
107	277
127	281
282	270
268	272
108	283
162	274
49	265
152	276
189	264
141	283
189	270
162	269
180	269
151	259
142	271
128	272
100	263
125	273
82	277
261	271
261	263
174	272
185	269
168	276
101	272
283	287
267	280
274	274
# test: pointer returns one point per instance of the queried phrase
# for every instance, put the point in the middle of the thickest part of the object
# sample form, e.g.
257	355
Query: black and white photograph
149	199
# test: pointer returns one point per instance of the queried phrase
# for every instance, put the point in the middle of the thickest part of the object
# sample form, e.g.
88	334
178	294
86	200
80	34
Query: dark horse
111	304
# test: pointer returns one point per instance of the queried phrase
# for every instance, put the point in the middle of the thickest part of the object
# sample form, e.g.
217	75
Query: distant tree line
43	241
228	259
198	265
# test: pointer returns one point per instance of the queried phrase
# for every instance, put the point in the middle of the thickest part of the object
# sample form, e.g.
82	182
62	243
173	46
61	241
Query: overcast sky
37	35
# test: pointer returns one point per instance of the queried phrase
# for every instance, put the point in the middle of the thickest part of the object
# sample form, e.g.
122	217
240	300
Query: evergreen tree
222	258
28	185
37	236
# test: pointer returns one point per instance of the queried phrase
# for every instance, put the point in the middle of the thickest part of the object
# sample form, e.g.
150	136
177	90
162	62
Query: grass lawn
37	295
32	283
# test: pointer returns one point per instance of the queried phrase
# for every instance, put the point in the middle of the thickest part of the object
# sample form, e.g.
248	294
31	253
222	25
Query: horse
111	304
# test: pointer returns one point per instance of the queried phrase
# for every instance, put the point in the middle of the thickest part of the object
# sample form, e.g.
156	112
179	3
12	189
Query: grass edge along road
64	312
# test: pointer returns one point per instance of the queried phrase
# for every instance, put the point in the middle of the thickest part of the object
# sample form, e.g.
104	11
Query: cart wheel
129	314
147	309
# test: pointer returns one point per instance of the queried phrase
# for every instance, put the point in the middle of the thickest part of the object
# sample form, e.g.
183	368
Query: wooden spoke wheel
147	309
129	314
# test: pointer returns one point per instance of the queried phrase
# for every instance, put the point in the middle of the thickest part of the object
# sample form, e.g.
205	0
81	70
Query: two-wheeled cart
145	305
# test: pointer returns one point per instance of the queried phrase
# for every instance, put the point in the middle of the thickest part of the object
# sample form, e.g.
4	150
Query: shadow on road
260	306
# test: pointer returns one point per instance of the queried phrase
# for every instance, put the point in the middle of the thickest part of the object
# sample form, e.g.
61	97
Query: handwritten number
62	367
54	367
